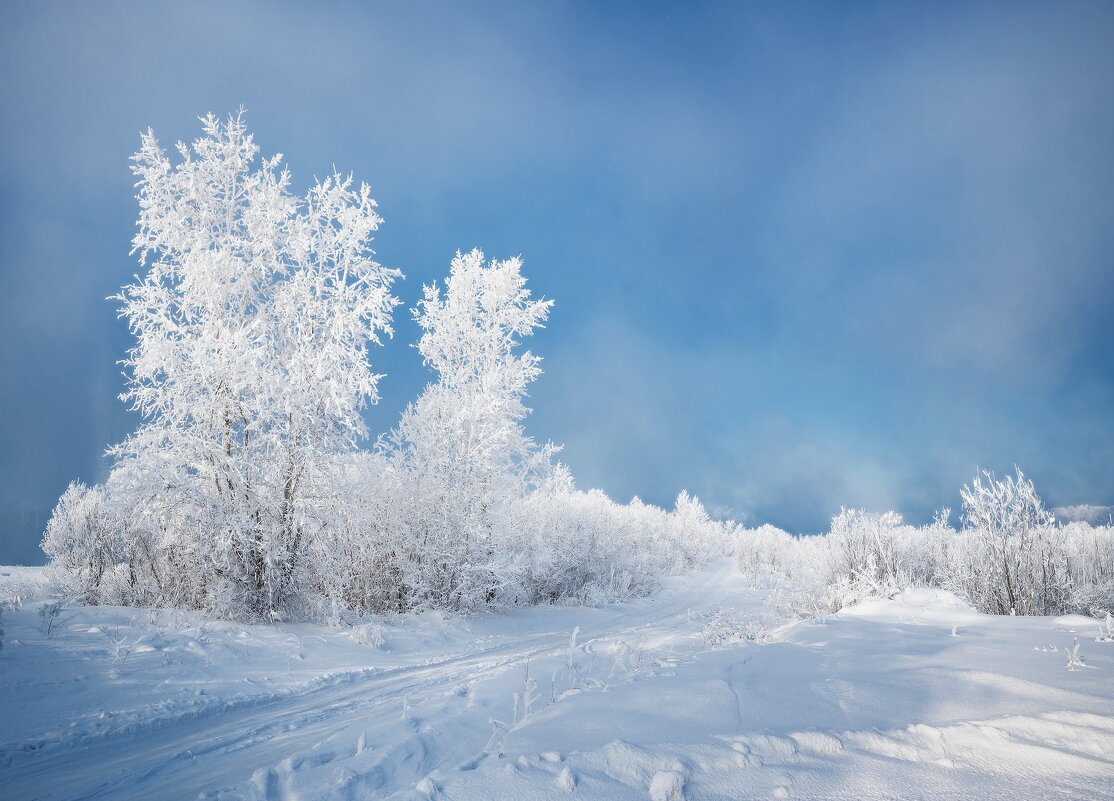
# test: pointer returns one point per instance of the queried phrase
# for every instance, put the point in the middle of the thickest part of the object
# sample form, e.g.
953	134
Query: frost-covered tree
252	323
460	451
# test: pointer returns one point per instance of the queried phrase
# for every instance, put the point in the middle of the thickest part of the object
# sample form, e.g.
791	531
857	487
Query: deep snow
696	694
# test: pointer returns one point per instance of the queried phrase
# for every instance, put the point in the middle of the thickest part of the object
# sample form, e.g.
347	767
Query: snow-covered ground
696	693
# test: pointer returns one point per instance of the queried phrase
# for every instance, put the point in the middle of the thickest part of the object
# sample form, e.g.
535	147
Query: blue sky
803	255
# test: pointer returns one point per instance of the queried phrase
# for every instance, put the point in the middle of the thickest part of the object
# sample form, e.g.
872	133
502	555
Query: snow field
694	694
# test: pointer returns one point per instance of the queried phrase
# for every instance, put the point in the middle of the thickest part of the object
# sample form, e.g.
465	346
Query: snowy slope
694	694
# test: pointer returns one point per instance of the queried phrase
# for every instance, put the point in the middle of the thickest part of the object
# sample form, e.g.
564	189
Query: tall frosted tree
250	367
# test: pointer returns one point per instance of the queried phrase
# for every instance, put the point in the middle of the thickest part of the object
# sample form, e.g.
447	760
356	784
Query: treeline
244	493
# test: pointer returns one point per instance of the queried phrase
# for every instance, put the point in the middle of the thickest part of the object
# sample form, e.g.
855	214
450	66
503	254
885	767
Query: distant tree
252	323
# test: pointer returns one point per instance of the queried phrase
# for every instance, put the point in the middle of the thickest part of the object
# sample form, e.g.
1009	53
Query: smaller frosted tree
460	448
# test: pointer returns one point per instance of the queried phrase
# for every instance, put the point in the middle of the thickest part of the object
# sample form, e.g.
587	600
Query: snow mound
667	785
918	605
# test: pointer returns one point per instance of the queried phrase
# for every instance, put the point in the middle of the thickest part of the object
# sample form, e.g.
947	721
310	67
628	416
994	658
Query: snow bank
918	605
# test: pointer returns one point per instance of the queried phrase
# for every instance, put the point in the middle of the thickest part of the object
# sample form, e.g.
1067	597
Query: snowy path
187	757
914	698
205	752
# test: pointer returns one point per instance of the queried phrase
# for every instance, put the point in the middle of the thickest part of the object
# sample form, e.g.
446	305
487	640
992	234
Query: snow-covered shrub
369	634
797	570
589	549
698	536
555	545
726	626
766	556
49	612
82	542
1088	553
877	555
1075	660
1015	560
865	555
1010	558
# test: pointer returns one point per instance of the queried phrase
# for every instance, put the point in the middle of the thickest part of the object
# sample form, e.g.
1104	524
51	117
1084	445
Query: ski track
267	731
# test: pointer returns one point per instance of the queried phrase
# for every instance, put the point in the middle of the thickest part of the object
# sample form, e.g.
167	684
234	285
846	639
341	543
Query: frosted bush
368	634
727	626
1011	557
82	543
1015	563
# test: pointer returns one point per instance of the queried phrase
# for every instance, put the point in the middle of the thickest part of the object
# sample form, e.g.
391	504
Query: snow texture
916	696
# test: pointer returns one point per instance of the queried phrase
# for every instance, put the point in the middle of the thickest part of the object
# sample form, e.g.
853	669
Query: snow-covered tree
252	323
460	450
